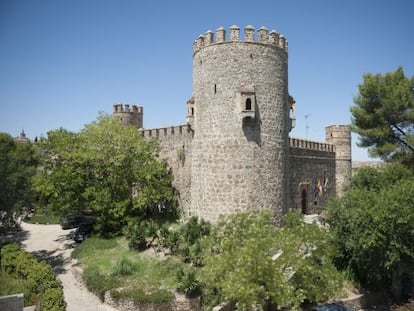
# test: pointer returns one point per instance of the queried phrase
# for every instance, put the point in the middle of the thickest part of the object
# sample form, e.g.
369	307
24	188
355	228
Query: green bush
33	277
124	267
185	240
188	282
141	233
99	283
144	296
53	300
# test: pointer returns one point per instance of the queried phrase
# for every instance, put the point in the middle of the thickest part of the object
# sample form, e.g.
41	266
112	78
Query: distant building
21	138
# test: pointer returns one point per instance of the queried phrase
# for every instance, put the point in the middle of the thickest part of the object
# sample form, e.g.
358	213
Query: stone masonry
235	154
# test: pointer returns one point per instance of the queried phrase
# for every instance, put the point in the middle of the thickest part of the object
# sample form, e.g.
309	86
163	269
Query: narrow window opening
215	88
192	111
248	104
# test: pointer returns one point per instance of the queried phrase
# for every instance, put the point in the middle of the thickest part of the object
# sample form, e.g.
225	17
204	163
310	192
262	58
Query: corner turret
129	115
340	137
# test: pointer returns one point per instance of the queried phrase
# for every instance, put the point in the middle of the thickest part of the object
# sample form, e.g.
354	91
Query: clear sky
61	62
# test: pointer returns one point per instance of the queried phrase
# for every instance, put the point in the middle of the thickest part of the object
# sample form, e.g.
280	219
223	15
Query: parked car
333	306
83	231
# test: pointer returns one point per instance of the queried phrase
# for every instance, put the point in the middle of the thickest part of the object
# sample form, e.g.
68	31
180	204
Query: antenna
307	126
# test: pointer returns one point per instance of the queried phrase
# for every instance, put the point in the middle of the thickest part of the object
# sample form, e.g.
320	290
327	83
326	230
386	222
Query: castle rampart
168	132
235	154
310	144
272	38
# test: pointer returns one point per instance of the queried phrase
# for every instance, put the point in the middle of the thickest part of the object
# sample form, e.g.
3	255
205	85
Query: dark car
70	221
73	221
334	306
83	231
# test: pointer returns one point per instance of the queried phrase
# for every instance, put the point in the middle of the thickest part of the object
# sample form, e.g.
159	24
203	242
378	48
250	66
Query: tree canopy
18	163
373	224
383	115
252	262
107	168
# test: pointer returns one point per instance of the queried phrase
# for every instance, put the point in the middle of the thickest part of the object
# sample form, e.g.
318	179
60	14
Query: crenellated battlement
126	108
261	36
129	114
167	132
310	145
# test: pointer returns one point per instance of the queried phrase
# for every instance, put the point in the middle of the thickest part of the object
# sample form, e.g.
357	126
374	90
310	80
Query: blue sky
61	62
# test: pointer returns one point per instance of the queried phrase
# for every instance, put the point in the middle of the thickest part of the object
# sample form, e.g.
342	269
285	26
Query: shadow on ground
56	260
16	235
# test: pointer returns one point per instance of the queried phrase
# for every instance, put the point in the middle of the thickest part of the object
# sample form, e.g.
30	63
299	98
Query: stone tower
241	122
340	136
129	114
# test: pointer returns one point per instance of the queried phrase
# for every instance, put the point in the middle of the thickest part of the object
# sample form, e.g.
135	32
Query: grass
109	265
43	217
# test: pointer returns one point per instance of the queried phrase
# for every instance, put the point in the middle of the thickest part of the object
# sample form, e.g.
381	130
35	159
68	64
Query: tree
250	261
18	163
107	168
383	115
63	175
373	225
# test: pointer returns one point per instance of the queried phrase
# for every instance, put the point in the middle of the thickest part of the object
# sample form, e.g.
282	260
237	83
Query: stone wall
235	153
311	175
12	302
241	123
176	149
340	136
180	303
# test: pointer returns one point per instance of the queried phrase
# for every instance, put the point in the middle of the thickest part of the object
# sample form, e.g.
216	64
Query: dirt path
54	245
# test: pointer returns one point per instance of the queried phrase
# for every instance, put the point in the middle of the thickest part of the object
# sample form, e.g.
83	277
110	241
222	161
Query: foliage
186	239
249	260
98	282
376	179
107	168
93	246
373	225
383	115
63	175
145	296
32	277
188	282
183	239
42	216
53	300
140	233
18	163
103	263
123	267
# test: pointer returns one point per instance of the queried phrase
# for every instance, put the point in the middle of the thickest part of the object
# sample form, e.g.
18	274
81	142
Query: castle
235	154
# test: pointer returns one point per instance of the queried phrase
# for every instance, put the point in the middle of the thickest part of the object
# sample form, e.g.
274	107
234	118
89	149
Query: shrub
185	240
53	300
144	296
249	260
138	231
188	282
99	283
124	267
34	278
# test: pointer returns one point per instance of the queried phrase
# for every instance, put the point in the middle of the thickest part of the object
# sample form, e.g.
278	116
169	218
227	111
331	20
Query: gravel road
51	243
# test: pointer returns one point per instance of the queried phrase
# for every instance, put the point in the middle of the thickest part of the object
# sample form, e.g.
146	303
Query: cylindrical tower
129	115
241	123
340	136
